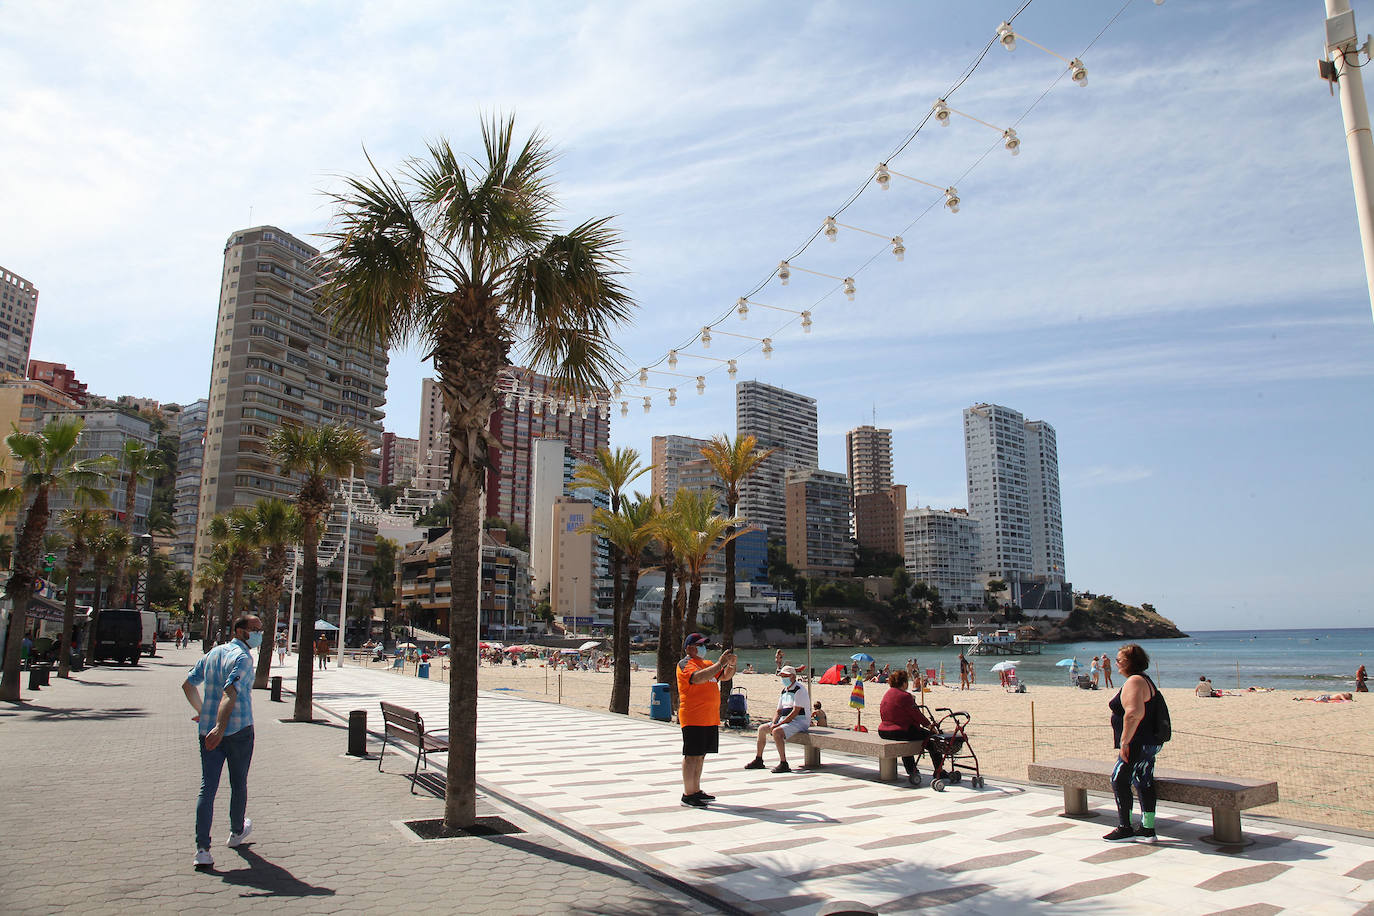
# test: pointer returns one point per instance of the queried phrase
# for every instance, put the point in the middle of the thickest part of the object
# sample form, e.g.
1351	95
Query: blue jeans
237	751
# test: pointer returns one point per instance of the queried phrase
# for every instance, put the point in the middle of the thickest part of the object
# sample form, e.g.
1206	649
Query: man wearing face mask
698	713
226	675
793	715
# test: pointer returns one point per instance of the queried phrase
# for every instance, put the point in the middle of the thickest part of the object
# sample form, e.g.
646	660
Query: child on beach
818	716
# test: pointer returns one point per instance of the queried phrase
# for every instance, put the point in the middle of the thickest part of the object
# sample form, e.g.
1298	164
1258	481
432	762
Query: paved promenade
794	843
98	782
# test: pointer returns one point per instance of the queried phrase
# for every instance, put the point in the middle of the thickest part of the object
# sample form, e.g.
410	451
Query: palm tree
210	581
106	550
6	550
278	526
463	256
733	460
47	465
629	532
84	526
701	533
610	473
138	462
234	529
319	453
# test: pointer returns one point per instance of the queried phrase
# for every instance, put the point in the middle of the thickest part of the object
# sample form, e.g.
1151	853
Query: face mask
255	639
787	683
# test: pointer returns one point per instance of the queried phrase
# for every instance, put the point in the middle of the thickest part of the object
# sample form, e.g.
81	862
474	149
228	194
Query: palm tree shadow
51	714
271	880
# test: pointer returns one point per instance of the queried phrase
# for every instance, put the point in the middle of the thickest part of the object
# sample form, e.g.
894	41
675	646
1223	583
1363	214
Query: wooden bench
863	744
404	726
1226	796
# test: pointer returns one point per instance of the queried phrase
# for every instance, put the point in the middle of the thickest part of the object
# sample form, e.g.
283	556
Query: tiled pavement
98	781
793	843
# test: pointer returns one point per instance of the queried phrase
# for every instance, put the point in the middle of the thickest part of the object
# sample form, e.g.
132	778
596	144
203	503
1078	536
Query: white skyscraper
941	548
786	422
1013	490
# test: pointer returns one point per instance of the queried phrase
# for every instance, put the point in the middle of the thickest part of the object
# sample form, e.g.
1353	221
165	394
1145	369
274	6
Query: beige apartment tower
18	306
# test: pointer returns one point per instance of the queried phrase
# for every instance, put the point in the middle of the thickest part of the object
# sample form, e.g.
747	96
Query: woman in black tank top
1134	711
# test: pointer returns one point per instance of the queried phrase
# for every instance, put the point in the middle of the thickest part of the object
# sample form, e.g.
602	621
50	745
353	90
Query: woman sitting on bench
901	720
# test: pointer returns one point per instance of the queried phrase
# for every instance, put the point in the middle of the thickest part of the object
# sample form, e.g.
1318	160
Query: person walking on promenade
176	638
698	692
225	674
281	648
322	652
1135	711
793	715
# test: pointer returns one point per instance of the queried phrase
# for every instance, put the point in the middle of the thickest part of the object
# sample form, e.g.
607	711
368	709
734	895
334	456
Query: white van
149	640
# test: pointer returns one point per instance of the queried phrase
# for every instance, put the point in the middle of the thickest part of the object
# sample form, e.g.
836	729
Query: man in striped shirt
226	675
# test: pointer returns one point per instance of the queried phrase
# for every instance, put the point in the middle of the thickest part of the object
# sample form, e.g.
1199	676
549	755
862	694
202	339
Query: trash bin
660	703
424	669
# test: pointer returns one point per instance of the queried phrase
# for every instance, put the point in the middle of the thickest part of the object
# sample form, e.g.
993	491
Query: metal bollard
357	733
276	688
34	680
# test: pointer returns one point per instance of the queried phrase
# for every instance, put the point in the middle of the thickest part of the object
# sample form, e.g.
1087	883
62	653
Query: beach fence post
1032	731
560	686
1237	674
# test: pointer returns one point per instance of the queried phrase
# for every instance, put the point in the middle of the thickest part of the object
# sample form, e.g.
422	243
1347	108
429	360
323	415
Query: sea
1316	660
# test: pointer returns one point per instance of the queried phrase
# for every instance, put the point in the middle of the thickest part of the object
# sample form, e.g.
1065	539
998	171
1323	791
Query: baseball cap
696	639
787	671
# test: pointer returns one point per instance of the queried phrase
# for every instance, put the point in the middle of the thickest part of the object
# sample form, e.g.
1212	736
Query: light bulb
784	274
806	322
509	401
672	397
898	248
647	403
767	348
605	411
831	230
884	176
672	359
742	306
643	376
849	288
624	408
952	199
1006	36
1013	144
942	112
701	384
731	368
616	389
706	338
1078	72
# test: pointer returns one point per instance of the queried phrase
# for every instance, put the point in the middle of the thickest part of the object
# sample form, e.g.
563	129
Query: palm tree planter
463	257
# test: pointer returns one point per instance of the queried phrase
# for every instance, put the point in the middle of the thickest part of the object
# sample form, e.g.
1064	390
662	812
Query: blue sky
1169	273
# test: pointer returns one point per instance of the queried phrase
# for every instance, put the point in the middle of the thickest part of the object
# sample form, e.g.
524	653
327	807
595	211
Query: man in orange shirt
698	713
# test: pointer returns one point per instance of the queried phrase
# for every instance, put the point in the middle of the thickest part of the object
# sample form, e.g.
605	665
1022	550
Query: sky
1169	273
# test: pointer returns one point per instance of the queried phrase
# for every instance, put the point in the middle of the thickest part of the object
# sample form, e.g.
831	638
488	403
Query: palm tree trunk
223	627
209	599
95	613
20	589
240	600
64	650
271	606
693	602
305	648
727	623
460	792
666	663
620	686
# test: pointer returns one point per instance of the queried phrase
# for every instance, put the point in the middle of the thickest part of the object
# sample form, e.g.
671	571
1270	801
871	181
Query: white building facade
942	548
786	422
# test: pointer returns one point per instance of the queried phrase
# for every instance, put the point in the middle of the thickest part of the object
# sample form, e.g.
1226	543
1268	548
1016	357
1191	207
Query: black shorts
700	740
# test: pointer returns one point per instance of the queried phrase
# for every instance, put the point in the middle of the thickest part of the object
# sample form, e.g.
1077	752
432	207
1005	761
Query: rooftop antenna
250	214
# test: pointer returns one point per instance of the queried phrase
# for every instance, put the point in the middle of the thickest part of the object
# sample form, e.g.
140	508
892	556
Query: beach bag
1163	726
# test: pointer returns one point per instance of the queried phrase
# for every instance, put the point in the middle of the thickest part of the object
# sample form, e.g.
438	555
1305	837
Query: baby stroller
737	709
954	746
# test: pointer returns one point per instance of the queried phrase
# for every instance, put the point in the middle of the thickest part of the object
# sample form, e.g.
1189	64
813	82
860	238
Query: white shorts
796	725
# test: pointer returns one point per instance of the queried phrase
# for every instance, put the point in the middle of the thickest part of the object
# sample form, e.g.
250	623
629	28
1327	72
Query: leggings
915	733
1141	772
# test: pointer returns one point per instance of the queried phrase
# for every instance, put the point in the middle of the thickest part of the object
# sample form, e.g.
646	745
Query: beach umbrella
590	644
856	700
405	645
1066	662
1004	666
861	657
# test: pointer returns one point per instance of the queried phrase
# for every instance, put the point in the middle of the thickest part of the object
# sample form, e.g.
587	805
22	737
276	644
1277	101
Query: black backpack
1163	726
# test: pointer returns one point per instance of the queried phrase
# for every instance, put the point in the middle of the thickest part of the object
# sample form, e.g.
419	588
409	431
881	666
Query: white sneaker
203	857
236	839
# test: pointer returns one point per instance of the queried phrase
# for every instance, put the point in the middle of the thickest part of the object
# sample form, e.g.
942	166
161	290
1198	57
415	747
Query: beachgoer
1073	673
902	720
818	716
1106	672
698	713
872	672
226	673
963	672
777	661
1095	672
792	716
1360	677
1134	712
322	652
281	648
1204	687
748	669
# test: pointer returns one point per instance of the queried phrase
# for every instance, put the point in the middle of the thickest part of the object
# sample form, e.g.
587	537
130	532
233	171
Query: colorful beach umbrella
856	696
1066	662
861	657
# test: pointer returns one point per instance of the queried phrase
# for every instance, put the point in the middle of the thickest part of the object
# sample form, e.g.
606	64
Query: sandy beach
1321	754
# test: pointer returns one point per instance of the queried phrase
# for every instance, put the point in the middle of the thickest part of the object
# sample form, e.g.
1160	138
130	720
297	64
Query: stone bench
863	744
1226	796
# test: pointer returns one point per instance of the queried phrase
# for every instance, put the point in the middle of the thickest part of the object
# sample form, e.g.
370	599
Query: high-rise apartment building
784	421
190	432
668	454
878	519
399	459
60	377
18	305
573	573
818	543
942	548
275	361
552	479
105	433
431	452
868	452
1022	537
